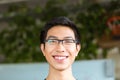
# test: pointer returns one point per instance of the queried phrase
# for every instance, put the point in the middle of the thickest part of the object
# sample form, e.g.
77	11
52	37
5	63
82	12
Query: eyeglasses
57	41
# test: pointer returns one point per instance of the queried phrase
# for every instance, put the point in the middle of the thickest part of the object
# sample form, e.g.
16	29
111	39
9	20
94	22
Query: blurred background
21	21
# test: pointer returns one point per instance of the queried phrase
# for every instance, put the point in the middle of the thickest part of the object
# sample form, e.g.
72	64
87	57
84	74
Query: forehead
61	32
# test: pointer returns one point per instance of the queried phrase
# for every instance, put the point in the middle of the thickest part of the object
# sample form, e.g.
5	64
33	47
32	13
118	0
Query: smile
57	57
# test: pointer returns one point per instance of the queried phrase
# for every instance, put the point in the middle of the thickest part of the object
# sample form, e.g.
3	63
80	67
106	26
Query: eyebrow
67	37
52	37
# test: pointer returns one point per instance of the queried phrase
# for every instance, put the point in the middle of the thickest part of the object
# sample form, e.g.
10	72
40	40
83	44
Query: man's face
62	54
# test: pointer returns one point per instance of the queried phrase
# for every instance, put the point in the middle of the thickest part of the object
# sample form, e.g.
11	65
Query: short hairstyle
63	21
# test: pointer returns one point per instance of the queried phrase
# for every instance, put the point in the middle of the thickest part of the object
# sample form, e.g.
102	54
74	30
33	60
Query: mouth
60	57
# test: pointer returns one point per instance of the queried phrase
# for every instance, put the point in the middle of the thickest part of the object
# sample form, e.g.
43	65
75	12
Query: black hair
64	21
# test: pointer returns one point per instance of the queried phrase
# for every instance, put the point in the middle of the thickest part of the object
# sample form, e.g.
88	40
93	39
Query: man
60	44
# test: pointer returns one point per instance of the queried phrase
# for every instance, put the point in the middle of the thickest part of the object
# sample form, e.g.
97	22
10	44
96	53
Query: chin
62	67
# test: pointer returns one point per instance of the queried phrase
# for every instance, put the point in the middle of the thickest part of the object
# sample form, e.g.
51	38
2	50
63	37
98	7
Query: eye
69	41
51	41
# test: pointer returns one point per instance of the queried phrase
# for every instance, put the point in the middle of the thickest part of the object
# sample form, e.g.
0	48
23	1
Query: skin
60	57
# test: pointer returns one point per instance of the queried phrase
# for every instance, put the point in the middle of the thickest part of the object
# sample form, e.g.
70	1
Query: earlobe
78	49
42	48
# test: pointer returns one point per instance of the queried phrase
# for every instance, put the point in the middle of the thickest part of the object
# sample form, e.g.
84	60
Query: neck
55	74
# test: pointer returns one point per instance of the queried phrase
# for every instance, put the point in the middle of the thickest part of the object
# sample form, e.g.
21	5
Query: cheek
47	53
48	50
72	50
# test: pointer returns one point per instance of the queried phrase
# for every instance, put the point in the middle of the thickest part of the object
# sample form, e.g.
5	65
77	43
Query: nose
60	47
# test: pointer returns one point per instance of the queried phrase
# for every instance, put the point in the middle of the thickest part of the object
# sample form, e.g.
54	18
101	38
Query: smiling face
60	56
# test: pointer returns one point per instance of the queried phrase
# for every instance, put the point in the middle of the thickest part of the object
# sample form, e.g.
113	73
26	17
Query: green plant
52	9
93	27
20	41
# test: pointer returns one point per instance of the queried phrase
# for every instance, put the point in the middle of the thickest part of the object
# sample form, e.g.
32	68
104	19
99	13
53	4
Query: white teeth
60	57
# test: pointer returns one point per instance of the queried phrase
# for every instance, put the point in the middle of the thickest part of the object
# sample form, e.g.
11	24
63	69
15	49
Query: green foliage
53	9
20	41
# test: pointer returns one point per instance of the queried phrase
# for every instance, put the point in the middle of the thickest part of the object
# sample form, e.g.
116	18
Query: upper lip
60	55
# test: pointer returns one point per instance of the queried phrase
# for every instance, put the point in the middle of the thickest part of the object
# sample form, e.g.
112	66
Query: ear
42	47
78	47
